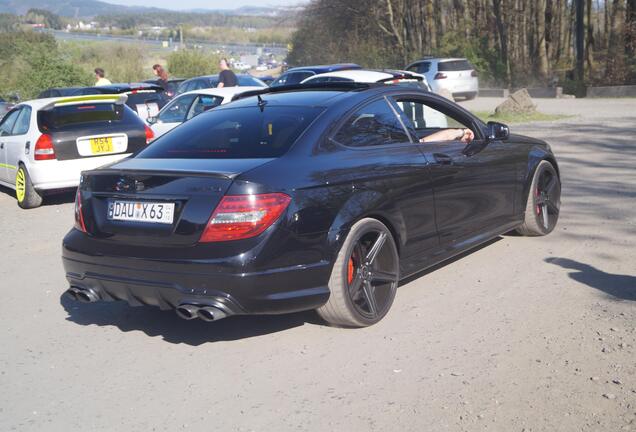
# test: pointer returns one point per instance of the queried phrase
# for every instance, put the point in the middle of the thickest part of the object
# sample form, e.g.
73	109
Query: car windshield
245	132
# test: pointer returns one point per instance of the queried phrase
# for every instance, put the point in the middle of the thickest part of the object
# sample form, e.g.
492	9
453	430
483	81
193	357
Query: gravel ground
524	334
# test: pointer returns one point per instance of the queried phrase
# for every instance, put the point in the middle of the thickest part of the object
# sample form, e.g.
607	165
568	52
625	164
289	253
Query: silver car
454	75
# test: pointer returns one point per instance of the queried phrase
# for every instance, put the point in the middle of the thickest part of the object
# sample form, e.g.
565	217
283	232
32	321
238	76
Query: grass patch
487	116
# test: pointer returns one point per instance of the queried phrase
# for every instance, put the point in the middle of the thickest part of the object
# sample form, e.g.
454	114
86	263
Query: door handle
443	159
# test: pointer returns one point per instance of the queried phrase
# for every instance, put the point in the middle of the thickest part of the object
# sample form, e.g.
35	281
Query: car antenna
261	103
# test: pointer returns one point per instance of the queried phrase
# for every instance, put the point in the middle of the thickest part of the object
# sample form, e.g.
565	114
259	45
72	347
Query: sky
205	4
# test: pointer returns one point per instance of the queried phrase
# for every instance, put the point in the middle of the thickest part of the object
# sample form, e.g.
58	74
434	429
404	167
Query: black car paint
435	207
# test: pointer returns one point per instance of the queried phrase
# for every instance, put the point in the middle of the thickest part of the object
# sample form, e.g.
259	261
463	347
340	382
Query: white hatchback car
454	75
190	104
371	76
45	144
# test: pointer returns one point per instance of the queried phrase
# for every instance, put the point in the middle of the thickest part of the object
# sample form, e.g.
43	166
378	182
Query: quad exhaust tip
206	313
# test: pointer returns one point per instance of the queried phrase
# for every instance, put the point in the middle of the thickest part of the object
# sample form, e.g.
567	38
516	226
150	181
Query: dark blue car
304	197
298	74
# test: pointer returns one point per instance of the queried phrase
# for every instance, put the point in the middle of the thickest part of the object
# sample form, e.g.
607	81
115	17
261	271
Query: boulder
519	102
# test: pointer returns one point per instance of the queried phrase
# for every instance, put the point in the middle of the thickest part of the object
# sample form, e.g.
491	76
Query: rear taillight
440	75
79	215
44	148
244	216
150	135
473	74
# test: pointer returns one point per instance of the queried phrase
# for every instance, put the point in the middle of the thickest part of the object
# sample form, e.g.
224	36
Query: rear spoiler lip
172	172
117	99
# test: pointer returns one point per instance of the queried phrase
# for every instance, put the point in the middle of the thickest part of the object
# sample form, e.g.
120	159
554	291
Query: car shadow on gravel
621	287
166	324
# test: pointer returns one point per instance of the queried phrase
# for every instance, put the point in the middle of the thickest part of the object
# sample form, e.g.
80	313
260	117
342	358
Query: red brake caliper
536	193
350	271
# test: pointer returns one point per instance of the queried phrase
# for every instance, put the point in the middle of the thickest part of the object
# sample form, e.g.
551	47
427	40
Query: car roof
217	75
318	69
368	75
124	87
223	91
439	59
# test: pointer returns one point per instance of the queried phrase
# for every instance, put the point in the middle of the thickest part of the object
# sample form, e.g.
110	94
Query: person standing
227	78
101	80
162	76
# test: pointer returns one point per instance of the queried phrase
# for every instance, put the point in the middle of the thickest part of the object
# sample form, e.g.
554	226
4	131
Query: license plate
152	212
101	145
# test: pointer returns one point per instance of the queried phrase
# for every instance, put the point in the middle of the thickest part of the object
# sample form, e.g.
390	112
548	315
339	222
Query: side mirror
498	131
152	120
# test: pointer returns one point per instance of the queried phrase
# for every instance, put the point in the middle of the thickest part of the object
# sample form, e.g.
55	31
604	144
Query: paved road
522	334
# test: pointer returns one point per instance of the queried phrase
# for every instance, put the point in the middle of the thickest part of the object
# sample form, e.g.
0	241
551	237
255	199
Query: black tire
25	193
544	202
364	277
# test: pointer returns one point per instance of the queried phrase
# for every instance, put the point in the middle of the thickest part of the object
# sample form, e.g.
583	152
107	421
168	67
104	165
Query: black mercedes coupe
297	198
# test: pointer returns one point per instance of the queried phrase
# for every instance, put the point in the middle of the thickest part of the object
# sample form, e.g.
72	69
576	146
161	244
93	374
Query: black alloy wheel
365	277
544	202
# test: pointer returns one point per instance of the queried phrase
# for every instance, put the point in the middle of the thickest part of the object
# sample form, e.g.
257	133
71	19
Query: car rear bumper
56	174
169	283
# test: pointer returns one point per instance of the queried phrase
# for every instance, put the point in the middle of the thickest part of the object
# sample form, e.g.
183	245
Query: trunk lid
192	187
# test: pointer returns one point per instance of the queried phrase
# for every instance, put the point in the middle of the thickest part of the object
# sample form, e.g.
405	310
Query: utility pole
180	37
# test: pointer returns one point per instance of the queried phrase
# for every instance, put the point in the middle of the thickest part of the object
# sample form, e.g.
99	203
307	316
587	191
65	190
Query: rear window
454	65
234	133
421	68
141	97
60	117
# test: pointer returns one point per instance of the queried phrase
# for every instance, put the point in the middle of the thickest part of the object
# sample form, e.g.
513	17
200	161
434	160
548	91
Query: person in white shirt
99	76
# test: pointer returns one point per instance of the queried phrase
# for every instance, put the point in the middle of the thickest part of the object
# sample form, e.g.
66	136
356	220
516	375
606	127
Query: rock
609	396
519	102
617	381
594	378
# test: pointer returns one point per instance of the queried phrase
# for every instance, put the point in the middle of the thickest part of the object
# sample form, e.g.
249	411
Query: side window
22	123
202	104
423	119
8	122
372	125
175	111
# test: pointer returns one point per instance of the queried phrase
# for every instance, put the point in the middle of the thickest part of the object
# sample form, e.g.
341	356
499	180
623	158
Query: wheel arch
367	204
536	156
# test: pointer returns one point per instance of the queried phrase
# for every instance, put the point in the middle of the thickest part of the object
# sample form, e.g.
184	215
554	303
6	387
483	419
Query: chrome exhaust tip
187	311
86	295
72	293
210	313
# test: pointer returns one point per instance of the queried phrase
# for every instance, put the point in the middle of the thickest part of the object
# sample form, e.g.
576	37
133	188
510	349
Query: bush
190	63
31	62
122	63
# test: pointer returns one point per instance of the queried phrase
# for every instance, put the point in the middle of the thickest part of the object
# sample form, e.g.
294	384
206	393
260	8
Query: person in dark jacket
227	78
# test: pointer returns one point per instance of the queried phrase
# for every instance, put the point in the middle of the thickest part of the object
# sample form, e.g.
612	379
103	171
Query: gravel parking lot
534	334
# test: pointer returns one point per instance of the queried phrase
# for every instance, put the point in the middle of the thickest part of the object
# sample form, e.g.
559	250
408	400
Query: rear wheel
544	202
364	278
25	193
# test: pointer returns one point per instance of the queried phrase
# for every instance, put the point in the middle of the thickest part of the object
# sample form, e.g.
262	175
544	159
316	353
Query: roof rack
308	86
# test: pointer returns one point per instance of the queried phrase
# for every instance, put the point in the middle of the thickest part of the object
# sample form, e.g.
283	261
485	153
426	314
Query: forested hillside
512	42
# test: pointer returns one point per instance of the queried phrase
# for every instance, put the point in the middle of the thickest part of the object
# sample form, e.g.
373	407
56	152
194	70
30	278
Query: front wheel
364	277
25	193
544	202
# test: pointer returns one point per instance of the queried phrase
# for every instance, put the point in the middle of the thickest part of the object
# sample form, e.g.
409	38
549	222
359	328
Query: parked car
143	98
455	75
389	77
386	76
170	88
46	143
5	107
211	81
297	198
298	74
190	104
267	79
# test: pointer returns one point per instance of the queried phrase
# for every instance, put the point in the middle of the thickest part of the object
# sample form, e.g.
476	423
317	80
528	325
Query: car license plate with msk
152	212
